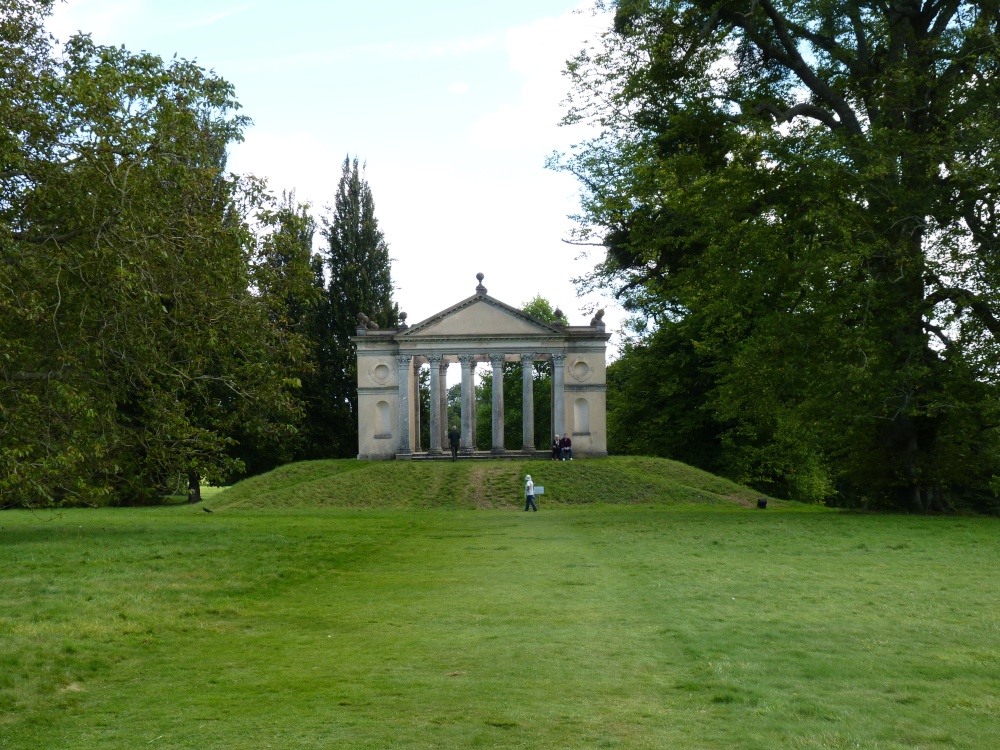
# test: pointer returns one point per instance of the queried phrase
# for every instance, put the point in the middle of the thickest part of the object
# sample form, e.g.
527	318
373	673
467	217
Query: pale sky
453	105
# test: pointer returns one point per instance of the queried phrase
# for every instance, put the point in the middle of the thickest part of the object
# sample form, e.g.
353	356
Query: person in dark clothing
566	447
555	448
454	438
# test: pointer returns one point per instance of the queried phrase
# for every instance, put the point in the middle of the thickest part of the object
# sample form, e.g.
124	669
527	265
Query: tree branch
936	330
32	377
962	299
66	237
860	38
805	109
944	11
650	275
971	45
980	233
864	59
789	54
827	44
584	244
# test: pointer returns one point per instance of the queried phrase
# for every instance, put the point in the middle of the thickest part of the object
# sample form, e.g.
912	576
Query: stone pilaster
468	401
403	362
473	411
528	401
497	361
435	426
558	394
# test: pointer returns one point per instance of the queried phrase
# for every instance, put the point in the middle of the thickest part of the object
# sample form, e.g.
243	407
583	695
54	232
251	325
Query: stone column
558	394
403	380
473	411
497	361
417	446
528	401
443	372
434	360
468	396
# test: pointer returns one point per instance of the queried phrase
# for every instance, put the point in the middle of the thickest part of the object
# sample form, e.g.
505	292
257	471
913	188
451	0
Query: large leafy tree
809	188
268	433
131	340
356	278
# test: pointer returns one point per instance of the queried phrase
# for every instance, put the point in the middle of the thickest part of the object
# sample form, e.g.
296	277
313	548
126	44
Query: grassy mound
482	484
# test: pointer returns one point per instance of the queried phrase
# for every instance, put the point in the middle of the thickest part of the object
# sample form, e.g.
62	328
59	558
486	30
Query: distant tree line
162	321
799	203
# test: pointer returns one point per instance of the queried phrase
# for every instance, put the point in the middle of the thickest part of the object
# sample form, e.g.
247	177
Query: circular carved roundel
580	370
380	372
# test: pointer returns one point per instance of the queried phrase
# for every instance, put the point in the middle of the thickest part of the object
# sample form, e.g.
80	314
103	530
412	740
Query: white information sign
539	490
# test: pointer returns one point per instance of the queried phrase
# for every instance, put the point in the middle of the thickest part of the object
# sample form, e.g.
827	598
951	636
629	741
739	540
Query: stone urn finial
480	289
559	317
402	321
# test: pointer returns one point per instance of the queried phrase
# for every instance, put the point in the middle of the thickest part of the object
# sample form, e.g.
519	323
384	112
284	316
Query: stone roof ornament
598	320
559	318
480	289
402	321
362	324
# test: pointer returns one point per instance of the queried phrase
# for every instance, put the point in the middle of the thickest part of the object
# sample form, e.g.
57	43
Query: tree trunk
194	487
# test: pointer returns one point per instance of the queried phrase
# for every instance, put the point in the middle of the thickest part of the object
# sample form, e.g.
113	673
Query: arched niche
581	416
383	423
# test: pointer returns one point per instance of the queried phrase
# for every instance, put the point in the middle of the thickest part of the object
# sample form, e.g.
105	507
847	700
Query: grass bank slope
482	484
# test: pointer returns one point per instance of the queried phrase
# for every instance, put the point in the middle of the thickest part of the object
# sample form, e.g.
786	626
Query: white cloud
216	17
450	48
454	48
290	161
488	206
539	52
106	18
458	88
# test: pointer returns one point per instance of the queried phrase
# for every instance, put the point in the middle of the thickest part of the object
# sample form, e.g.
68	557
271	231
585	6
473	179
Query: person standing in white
529	494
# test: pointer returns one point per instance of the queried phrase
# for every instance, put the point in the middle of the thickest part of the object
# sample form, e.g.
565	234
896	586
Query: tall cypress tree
356	257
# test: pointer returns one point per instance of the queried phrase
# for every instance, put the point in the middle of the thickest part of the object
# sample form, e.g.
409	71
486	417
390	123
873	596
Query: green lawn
635	625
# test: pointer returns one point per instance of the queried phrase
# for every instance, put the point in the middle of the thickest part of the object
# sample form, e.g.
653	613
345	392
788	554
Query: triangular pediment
479	316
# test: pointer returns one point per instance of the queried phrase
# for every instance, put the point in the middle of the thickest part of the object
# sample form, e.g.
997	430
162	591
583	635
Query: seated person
556	448
566	447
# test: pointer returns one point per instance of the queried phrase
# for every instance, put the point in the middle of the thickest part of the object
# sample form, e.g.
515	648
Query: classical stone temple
477	329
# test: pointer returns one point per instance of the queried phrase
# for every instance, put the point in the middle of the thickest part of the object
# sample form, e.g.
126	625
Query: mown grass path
644	626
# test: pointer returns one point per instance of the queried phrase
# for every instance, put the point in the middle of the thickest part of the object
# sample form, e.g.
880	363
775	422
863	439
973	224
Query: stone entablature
478	329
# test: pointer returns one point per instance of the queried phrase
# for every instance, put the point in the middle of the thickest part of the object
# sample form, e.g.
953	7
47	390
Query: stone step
484	456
